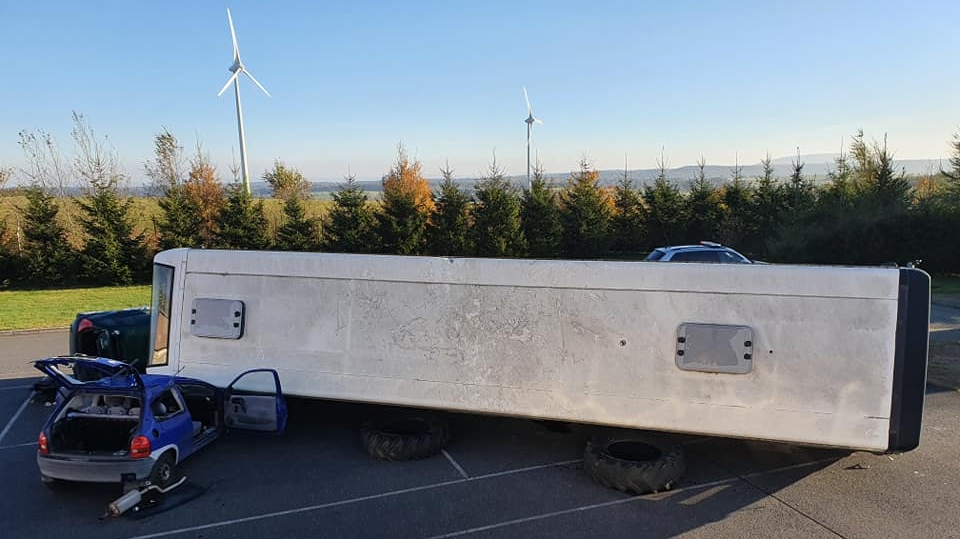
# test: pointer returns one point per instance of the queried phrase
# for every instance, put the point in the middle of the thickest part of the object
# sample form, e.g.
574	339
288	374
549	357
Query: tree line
866	213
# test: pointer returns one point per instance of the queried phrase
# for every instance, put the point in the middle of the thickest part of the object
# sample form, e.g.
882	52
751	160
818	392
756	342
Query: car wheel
637	464
407	437
164	470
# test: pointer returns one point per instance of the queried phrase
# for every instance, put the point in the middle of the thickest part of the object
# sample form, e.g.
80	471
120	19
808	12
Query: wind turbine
530	121
237	68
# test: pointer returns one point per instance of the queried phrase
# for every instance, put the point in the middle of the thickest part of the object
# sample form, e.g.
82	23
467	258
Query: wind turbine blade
538	120
527	99
255	81
233	34
229	82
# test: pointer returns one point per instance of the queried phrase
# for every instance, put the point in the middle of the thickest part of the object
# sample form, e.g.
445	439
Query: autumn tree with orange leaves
204	189
406	206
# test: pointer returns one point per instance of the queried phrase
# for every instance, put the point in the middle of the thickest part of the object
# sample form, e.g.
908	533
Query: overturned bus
818	355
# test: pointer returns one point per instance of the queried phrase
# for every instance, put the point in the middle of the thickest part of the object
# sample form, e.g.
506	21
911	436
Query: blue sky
352	79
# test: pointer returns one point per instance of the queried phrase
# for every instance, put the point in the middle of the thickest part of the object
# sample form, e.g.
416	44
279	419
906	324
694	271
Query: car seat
117	405
159	409
92	404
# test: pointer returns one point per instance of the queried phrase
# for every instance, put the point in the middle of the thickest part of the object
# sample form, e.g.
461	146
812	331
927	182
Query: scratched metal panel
567	340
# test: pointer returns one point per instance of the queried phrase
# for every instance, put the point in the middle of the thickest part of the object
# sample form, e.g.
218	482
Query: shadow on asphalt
525	481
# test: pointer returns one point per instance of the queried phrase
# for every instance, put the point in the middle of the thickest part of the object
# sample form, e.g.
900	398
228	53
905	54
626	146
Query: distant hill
816	167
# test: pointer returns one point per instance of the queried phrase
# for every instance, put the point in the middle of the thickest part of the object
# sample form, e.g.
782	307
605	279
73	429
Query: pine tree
790	244
627	222
285	181
767	208
11	264
180	221
822	235
448	232
664	210
799	195
839	191
951	195
953	173
864	167
540	218
887	188
111	254
50	260
703	204
351	223
10	241
585	215
406	206
298	232
736	221
241	224
496	216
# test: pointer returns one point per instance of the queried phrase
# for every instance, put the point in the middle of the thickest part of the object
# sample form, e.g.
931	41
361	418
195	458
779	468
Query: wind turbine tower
529	121
237	68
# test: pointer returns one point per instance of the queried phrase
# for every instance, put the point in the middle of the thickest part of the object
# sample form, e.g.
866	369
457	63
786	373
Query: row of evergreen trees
866	213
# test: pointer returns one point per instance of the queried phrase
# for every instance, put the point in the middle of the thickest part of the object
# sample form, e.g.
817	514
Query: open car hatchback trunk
96	423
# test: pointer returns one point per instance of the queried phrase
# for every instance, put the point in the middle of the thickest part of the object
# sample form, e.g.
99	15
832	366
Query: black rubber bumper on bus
910	362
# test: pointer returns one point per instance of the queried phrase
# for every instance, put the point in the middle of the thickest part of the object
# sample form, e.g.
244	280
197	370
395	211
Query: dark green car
123	335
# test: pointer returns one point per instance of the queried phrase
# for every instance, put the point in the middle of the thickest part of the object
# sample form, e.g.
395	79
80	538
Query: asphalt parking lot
500	477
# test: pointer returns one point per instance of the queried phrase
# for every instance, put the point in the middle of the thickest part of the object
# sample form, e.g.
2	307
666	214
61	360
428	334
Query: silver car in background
705	251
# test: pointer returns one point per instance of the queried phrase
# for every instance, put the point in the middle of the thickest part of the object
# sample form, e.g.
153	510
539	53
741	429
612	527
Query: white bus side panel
598	352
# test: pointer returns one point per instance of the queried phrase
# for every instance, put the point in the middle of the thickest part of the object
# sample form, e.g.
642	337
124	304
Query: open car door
254	401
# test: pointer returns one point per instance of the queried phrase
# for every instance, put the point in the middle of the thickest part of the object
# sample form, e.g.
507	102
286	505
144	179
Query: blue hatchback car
110	421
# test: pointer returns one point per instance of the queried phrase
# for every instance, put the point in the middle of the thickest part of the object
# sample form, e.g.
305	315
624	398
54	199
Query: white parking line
298	510
527	469
543	516
15	387
455	464
583	508
14	418
346	502
506	523
17	445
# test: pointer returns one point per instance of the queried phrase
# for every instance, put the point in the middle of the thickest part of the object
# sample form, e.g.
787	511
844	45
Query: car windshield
731	258
655	255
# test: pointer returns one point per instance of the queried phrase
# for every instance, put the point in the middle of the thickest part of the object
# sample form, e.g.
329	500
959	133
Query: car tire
407	437
634	464
164	471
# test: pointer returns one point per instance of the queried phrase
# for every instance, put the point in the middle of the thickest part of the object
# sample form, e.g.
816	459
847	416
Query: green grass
948	284
35	309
